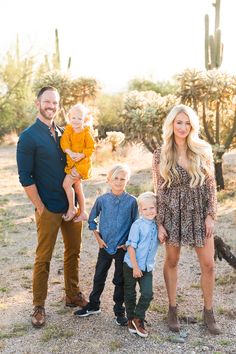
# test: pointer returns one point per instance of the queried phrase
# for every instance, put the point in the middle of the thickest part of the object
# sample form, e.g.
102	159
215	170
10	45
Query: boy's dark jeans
145	283
103	265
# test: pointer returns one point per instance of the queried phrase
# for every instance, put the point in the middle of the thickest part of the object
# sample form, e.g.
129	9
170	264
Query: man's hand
40	209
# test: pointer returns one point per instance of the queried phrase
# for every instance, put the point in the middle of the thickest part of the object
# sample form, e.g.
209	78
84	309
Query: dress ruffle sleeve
89	143
212	198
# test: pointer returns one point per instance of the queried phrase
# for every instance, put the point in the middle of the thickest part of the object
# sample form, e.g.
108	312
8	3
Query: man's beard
46	115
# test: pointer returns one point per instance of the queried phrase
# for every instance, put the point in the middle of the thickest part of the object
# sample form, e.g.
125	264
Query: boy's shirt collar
118	196
148	221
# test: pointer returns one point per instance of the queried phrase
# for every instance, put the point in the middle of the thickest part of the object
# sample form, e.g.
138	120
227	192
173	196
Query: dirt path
99	334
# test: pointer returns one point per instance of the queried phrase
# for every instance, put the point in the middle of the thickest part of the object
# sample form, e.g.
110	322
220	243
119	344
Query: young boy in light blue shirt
117	210
139	262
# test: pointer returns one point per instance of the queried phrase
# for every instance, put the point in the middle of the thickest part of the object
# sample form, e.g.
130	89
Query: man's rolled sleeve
25	160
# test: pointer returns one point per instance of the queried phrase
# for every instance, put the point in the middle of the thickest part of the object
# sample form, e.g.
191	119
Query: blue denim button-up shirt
143	237
41	161
116	215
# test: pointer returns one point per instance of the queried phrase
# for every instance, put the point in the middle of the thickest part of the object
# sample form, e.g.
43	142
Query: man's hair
46	88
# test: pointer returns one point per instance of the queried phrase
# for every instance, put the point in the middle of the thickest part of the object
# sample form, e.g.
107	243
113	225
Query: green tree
16	98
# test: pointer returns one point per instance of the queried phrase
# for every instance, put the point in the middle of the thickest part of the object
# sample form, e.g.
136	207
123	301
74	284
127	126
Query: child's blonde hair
146	196
116	169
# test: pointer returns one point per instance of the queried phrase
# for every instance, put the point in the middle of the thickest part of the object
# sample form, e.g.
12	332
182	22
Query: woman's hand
209	226
162	234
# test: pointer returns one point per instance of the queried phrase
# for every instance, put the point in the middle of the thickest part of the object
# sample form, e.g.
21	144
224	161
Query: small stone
205	348
184	333
177	339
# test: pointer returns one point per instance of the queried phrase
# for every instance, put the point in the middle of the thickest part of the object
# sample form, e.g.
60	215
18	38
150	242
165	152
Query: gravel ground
63	332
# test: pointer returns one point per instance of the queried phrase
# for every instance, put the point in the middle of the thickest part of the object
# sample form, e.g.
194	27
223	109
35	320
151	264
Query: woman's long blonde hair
199	152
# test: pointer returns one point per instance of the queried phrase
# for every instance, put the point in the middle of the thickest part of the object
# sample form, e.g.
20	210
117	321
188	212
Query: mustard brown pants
48	225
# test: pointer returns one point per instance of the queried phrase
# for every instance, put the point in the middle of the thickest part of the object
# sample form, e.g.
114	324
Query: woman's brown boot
172	319
209	321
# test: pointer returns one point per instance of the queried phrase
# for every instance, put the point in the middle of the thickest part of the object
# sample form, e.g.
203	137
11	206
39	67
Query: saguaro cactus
213	44
56	55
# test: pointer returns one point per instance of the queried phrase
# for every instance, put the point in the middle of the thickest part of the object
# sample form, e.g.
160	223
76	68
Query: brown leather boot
172	320
209	321
38	318
77	300
139	327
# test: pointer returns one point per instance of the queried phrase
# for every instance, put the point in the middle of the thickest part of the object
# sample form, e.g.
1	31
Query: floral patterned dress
182	210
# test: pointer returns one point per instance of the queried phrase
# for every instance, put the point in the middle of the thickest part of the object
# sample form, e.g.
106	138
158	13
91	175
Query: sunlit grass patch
27	267
18	330
227	279
158	308
4	289
52	332
115	345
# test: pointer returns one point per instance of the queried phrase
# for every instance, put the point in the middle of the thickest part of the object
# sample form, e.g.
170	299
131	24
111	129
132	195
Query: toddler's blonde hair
86	114
116	169
146	196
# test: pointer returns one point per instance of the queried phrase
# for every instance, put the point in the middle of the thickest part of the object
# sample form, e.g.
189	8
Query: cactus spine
213	45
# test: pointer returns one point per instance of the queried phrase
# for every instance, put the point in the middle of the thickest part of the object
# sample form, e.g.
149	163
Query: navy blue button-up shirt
41	162
143	237
116	215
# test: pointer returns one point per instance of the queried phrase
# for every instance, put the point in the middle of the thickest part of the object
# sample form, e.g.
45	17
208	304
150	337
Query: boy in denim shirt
139	262
117	210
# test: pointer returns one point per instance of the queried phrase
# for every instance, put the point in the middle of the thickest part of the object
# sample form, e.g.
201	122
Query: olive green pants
48	225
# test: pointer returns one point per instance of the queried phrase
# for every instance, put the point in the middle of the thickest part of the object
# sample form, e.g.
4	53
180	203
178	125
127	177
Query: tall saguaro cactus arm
213	44
207	58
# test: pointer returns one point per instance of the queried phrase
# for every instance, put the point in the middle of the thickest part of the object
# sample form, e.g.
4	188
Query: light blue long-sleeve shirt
143	237
116	215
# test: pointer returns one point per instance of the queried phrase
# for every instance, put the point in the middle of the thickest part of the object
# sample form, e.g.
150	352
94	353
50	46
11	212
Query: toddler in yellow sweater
78	144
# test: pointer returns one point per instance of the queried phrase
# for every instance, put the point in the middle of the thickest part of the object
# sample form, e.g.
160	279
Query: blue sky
118	40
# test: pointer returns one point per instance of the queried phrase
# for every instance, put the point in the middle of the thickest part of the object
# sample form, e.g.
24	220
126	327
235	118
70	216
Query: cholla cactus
143	116
115	138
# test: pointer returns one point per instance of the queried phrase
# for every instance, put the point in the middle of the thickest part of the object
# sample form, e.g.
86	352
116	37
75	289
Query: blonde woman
184	182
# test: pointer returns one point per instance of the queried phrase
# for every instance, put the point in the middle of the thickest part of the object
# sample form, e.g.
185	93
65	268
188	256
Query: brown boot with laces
139	327
39	317
209	321
76	300
172	320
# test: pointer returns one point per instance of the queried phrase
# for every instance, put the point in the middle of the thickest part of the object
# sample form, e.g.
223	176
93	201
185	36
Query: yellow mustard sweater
81	142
